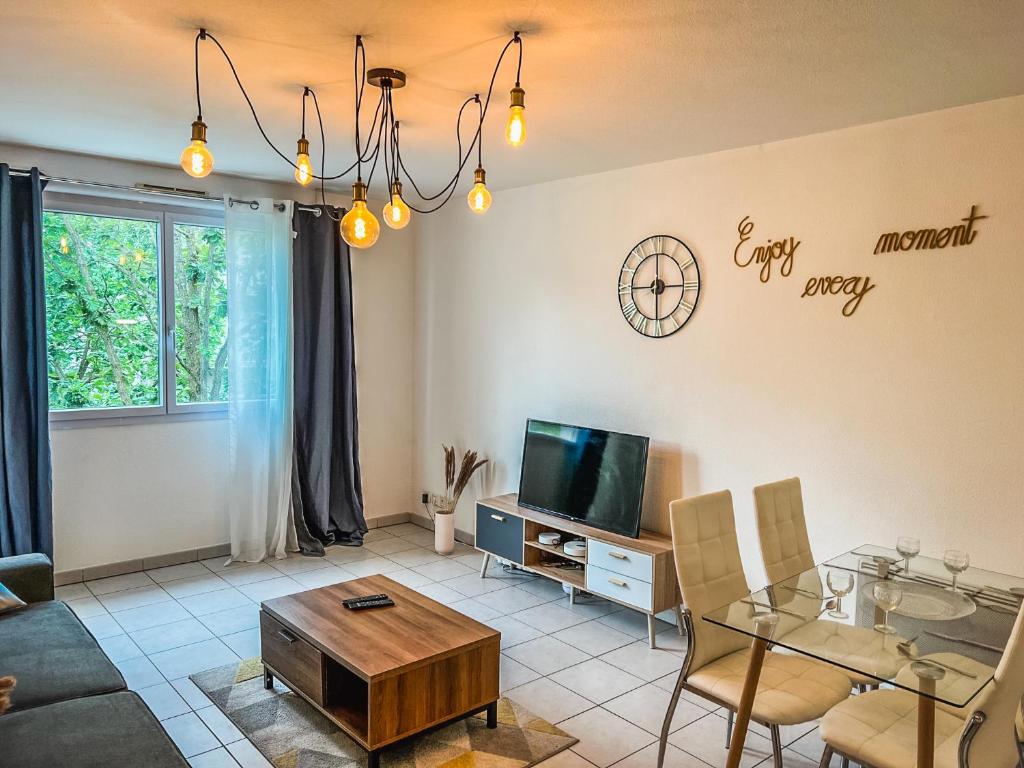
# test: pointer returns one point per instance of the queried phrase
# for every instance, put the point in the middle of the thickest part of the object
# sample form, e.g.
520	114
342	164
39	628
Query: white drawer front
625	589
620	560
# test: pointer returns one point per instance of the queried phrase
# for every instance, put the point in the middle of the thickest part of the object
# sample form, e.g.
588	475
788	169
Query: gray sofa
71	706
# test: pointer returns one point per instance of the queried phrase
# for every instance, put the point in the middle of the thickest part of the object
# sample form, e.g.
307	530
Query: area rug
292	734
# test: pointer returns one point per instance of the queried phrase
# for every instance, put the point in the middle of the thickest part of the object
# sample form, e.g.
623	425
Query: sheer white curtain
260	397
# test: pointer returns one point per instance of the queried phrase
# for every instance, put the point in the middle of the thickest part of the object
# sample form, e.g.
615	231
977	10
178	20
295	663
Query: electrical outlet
424	498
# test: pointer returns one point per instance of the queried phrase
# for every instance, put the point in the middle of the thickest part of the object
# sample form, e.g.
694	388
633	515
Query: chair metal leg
776	745
826	757
728	728
669	714
679	620
845	763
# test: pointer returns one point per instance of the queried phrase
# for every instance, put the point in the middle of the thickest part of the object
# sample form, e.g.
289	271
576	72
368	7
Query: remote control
362	598
377	603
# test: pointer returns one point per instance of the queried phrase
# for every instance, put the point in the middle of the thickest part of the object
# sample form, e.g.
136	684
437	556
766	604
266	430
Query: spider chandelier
359	227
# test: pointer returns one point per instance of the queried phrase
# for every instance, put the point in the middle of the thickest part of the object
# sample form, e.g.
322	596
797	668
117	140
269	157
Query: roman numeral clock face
658	286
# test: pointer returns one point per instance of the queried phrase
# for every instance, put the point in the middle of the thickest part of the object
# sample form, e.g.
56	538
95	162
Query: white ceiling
609	83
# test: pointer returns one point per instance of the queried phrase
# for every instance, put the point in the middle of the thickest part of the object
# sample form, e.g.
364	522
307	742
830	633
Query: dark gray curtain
26	520
327	492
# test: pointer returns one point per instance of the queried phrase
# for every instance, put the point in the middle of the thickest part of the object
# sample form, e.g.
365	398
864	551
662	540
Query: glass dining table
937	643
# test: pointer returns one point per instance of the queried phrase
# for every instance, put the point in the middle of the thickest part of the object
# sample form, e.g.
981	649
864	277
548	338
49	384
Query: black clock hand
657	293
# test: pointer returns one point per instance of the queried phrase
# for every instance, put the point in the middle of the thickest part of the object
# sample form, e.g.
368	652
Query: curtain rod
149	189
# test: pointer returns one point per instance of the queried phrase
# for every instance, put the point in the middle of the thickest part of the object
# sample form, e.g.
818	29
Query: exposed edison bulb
359	227
397	213
64	244
196	159
515	128
479	196
303	167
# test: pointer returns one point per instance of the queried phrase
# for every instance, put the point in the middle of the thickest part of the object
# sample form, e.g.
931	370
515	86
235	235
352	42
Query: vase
444	533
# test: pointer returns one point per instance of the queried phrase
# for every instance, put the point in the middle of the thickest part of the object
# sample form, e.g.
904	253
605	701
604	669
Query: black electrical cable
199	102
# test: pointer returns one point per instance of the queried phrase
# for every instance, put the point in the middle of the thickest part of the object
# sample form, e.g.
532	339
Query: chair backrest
709	568
782	529
994	745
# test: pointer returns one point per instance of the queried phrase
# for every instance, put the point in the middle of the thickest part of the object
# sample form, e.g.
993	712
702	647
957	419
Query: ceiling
608	83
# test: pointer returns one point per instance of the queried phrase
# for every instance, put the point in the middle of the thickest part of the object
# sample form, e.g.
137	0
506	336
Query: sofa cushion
30	577
116	729
53	657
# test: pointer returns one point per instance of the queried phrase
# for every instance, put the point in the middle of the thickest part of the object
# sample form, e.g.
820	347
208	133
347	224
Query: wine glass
888	596
956	562
840	583
908	547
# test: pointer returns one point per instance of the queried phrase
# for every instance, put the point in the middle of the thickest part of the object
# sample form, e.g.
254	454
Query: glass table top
938	643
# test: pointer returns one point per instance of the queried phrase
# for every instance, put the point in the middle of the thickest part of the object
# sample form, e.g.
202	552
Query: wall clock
659	285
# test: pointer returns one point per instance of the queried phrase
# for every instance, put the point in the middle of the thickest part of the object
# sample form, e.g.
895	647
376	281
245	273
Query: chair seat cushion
791	689
858	648
115	729
53	656
880	728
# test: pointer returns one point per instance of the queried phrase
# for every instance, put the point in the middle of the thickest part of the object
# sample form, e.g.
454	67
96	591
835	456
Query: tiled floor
586	667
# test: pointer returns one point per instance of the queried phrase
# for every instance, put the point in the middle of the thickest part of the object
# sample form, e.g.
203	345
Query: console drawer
625	589
499	533
620	560
296	660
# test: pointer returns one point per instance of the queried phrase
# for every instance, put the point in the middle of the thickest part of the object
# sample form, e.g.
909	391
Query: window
136	308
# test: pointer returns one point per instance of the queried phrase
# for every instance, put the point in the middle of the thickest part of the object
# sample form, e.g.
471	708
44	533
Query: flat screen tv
584	474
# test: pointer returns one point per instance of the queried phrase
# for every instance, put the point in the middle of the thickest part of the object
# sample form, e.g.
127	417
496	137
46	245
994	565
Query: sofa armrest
30	577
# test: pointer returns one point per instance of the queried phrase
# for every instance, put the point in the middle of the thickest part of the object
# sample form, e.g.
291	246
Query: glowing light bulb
64	244
303	167
515	128
359	227
397	213
196	159
479	196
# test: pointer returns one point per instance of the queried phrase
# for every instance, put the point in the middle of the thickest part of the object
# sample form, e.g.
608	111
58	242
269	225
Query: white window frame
166	216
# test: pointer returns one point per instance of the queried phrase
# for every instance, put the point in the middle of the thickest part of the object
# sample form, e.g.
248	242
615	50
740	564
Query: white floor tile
674	758
85	607
103	625
372	566
139	673
547	699
390	545
546	655
219	725
249	574
565	759
591	607
151	616
475	609
190	734
119	583
233	620
444	569
297	563
168	636
549	617
594	637
71	592
640	660
538	585
268	590
134	598
632	623
513	674
513	631
189	659
180	571
511	600
323	577
470	560
190	692
245	644
247	755
404	529
422	538
341	554
216	758
605	738
472	585
195	585
120	648
377	534
440	592
163	701
705	738
409	577
596	680
414	557
213	602
646	707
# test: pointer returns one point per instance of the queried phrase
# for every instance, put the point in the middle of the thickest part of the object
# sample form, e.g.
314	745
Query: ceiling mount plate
385	77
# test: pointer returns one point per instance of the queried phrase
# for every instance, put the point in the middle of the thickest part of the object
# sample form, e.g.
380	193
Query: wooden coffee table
381	674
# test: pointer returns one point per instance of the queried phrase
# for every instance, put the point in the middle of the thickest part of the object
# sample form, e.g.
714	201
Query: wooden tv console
637	573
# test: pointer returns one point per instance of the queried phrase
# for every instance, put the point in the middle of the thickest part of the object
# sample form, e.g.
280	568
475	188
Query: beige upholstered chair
880	728
786	549
791	689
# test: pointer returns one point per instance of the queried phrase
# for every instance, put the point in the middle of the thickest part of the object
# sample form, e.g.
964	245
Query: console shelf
637	573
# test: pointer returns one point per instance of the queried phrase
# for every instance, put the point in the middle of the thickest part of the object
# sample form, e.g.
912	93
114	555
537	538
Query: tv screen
590	475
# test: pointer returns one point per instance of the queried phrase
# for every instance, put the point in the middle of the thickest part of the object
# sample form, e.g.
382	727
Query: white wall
131	491
907	418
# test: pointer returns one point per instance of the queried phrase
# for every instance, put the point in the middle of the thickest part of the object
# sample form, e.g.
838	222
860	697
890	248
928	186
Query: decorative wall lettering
765	254
856	287
928	239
